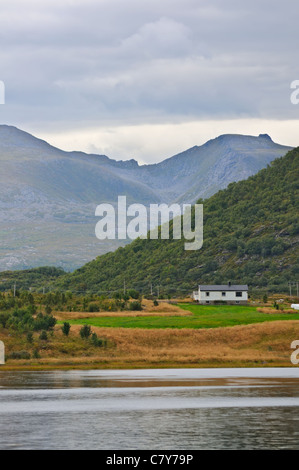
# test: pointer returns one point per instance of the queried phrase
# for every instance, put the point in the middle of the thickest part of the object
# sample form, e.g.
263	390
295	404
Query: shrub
44	322
48	310
134	294
136	305
43	336
19	355
66	328
93	308
36	354
85	332
3	319
98	341
30	337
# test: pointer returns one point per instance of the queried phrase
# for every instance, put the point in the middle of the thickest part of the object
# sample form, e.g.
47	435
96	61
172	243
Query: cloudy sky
149	78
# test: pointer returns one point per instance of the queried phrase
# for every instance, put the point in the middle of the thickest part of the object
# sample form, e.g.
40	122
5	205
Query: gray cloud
92	62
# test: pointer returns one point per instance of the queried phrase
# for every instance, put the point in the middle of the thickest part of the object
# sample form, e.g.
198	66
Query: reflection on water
152	409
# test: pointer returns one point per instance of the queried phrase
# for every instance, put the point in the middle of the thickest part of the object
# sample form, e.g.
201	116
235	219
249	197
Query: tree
43	336
85	332
66	328
36	354
48	310
30	337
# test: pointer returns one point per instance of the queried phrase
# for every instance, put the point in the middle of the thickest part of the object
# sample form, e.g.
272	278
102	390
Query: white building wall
216	296
195	295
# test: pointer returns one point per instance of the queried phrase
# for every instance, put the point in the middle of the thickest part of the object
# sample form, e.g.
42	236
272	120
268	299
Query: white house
226	293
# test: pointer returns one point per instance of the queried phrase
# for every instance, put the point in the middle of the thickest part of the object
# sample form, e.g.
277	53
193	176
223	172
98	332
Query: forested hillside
251	234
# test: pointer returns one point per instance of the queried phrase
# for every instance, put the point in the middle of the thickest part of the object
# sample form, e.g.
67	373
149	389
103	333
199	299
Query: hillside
48	197
251	235
35	278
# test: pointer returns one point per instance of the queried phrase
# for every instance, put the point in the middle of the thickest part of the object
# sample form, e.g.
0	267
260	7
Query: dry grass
275	311
264	344
164	309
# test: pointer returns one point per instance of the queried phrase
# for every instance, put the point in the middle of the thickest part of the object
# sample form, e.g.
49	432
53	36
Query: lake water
185	409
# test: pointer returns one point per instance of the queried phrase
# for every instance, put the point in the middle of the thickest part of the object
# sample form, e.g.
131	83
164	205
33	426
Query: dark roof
224	287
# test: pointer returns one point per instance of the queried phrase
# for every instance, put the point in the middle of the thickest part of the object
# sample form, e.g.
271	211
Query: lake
181	409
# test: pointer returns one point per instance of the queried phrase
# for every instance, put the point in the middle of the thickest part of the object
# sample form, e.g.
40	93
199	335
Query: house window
223	294
207	294
237	301
207	301
238	294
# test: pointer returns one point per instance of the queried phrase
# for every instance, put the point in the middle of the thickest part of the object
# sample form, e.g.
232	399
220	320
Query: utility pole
296	285
151	289
14	289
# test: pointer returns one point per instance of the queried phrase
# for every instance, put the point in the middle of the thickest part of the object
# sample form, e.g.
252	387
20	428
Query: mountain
48	196
251	236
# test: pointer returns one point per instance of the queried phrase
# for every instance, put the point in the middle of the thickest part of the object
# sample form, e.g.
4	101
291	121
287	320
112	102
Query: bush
44	322
85	332
43	336
36	354
3	319
19	355
134	294
93	308
48	310
30	337
98	341
136	305
66	328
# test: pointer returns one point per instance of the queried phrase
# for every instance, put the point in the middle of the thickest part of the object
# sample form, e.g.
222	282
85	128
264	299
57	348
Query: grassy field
186	335
201	317
259	345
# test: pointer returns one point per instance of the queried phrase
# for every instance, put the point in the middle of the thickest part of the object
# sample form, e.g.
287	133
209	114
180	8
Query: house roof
224	287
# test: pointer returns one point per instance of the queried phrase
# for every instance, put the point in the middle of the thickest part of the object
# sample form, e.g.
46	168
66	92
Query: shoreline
141	366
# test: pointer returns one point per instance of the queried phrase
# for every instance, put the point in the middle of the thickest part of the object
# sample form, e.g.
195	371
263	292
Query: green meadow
201	317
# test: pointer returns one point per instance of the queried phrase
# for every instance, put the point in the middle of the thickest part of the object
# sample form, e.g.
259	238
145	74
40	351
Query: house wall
216	296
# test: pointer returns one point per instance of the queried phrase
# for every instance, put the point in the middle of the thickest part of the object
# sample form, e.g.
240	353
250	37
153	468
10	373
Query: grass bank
257	345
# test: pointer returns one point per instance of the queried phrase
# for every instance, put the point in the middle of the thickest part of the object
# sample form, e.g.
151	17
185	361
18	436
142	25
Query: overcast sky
149	78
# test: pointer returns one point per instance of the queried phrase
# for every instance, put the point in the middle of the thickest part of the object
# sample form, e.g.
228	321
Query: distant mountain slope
48	197
201	171
251	236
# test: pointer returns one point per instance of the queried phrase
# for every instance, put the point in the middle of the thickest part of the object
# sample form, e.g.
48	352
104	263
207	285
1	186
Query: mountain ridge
48	196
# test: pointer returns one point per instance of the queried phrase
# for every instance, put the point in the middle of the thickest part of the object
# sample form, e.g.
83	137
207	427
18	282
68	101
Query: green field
202	317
